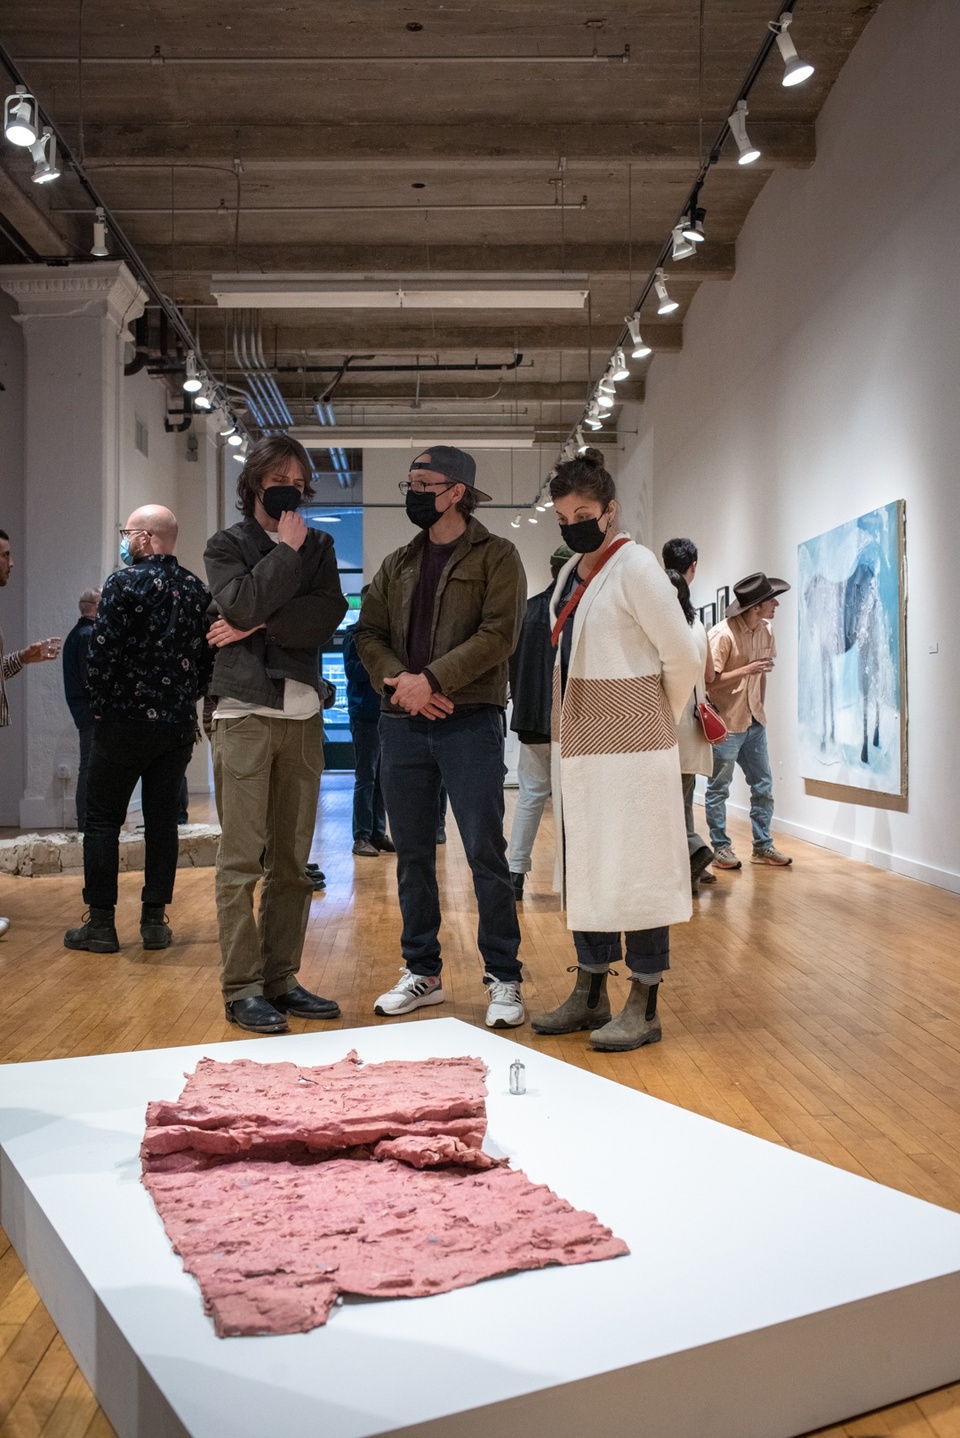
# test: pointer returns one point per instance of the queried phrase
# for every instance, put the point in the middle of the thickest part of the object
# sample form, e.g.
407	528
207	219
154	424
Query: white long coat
622	858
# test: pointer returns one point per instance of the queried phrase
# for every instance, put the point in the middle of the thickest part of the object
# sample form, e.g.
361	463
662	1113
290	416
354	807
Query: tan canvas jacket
480	604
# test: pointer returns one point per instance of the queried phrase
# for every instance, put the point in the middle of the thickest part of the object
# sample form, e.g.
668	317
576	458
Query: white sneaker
412	992
4	926
505	1009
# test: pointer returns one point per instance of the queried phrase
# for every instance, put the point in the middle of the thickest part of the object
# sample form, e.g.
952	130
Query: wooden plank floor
817	1007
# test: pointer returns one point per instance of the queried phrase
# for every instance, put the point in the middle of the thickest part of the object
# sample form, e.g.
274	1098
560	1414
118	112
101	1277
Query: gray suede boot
636	1024
588	1007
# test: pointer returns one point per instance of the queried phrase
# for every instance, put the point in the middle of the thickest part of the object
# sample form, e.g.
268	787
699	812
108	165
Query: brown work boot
588	1007
635	1025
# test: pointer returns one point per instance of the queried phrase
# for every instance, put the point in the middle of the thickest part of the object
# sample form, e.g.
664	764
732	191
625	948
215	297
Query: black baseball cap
454	464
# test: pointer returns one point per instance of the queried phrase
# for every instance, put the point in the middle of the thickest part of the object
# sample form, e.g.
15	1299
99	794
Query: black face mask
422	508
280	498
585	537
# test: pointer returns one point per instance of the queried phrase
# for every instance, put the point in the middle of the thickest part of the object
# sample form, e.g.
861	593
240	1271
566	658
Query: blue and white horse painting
852	703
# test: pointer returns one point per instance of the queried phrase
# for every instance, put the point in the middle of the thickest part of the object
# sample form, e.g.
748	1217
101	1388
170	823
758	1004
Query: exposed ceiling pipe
236	62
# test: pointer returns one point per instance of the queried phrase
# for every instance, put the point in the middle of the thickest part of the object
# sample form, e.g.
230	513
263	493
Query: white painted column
75	320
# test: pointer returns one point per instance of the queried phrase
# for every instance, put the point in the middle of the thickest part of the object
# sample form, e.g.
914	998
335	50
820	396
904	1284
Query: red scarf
578	594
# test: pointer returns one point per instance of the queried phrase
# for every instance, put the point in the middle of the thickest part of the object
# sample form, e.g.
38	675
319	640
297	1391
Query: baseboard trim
863	853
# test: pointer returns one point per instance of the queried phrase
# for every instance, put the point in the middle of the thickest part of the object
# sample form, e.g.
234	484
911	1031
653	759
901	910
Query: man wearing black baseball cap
438	624
743	650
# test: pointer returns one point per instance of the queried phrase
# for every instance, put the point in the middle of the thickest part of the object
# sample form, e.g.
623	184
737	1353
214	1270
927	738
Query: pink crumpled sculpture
282	1188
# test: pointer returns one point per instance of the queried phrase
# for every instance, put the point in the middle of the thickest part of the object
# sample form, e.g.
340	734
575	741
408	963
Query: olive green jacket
481	601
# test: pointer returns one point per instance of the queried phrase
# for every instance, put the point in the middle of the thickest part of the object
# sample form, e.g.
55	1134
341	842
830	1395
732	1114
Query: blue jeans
533	774
749	750
368	813
464	754
648	950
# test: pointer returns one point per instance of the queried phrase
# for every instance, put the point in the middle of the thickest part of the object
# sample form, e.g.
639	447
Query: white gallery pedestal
765	1293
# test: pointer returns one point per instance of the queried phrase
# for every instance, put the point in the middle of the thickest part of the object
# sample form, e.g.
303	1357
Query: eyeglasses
128	533
422	486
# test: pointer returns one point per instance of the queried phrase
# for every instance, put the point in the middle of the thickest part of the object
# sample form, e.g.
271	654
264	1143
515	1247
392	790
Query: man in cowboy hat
743	650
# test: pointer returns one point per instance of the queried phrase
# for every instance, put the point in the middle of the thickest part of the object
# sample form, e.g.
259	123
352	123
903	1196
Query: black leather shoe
304	1005
154	929
383	843
257	1014
97	934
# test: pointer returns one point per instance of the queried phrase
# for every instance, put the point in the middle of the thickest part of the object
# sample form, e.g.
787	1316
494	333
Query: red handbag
714	729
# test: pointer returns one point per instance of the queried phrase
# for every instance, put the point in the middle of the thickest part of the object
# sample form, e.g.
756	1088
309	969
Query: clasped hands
413	692
221	632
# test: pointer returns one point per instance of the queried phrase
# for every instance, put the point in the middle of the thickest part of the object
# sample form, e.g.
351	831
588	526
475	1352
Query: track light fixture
593	419
532	519
640	350
192	383
692	225
99	250
229	427
618	367
235	438
795	70
666	305
605	401
580	444
515	523
738	129
44	152
21	118
207	397
682	247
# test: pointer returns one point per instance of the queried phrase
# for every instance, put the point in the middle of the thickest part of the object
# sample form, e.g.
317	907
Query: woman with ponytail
626	663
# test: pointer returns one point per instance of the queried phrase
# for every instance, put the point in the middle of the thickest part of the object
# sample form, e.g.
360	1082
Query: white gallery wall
821	382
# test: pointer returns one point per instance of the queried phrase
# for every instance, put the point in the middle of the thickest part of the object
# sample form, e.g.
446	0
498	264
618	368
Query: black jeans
648	950
86	744
368	814
157	755
464	754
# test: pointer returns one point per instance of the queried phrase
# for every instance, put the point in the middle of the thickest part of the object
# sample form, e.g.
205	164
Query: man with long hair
276	584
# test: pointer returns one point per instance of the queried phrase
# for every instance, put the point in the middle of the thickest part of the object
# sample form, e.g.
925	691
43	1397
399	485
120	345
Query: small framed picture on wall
723	599
708	616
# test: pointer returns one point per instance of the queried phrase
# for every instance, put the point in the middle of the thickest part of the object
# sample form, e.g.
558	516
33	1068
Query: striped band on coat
615	716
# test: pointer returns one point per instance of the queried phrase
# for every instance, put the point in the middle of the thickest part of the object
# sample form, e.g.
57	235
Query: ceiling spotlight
238	455
604	400
581	443
515	523
606	385
192	382
541	509
229	427
795	70
618	367
693	228
666	305
21	118
592	419
640	350
682	247
738	129
532	519
44	152
207	398
235	438
99	250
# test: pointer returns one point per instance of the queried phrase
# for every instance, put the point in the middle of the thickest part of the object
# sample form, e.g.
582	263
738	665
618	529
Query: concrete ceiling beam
366	335
29	220
653	145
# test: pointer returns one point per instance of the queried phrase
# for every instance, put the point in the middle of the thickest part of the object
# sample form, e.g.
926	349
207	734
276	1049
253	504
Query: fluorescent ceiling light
404	438
439	290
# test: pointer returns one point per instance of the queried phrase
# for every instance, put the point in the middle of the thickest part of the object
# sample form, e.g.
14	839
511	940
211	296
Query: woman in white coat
696	751
625	669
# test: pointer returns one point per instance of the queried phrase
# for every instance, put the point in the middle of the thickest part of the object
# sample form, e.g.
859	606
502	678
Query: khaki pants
267	779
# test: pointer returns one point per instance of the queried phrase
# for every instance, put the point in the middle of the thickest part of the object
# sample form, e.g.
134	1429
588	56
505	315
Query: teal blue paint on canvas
851	702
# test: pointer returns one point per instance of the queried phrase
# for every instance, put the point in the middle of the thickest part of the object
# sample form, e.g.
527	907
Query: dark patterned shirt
149	658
